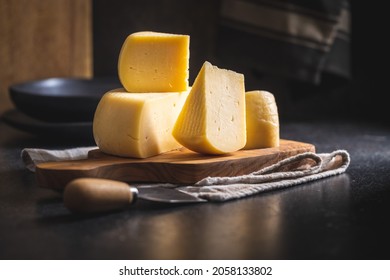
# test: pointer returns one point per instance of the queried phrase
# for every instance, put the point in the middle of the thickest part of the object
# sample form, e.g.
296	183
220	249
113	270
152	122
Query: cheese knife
91	195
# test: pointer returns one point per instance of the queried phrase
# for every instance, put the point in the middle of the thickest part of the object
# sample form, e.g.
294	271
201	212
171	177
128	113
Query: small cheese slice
262	120
213	118
137	124
154	62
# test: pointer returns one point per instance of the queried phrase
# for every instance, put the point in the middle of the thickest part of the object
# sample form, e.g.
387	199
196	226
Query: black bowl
61	99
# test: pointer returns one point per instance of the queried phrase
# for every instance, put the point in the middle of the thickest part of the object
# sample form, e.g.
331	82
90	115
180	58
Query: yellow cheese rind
213	118
137	124
154	62
262	120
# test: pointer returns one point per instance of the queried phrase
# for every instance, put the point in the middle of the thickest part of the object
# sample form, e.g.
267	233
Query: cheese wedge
154	62
213	118
262	120
137	124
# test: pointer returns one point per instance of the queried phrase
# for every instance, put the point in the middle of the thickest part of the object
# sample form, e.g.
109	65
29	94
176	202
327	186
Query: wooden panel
179	166
43	38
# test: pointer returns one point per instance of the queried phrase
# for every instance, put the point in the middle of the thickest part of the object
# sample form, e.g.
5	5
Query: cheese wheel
137	124
154	62
213	118
262	120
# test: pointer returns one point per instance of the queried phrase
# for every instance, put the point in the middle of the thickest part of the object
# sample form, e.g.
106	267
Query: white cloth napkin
288	172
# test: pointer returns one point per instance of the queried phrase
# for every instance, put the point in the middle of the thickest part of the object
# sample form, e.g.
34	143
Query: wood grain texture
179	166
41	39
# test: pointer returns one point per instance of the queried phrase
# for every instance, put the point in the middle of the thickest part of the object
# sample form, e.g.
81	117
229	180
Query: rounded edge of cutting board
179	167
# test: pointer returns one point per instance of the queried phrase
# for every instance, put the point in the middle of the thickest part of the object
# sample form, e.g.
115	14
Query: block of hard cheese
137	124
262	120
154	62
213	118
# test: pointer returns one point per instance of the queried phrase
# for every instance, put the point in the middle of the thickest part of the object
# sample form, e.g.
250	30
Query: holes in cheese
137	124
154	62
212	120
262	120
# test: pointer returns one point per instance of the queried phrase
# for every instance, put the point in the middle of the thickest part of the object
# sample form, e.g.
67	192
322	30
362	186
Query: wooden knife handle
91	195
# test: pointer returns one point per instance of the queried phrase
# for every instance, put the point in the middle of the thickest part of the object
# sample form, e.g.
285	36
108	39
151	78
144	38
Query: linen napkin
294	170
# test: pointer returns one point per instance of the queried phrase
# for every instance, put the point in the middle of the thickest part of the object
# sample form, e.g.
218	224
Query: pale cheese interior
213	118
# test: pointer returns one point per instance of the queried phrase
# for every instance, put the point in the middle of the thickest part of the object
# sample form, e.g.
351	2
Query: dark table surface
341	217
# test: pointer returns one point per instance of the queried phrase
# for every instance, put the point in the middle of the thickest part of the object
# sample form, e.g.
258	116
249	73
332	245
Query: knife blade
166	195
91	195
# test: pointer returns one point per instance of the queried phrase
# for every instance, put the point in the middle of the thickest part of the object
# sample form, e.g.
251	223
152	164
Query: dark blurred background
41	38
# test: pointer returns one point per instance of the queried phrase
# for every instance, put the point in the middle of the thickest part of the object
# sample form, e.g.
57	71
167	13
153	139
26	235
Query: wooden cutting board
180	166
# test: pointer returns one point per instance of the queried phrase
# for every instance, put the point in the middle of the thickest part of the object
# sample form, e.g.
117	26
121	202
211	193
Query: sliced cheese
154	62
137	124
213	118
262	120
